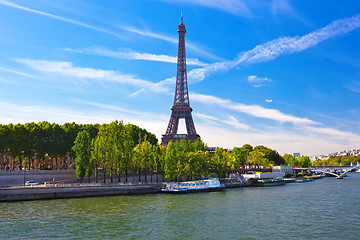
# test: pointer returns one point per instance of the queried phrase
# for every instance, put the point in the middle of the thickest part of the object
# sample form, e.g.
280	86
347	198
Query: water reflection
298	210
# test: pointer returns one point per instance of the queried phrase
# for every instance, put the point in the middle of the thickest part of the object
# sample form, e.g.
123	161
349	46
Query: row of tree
119	148
37	144
116	154
337	161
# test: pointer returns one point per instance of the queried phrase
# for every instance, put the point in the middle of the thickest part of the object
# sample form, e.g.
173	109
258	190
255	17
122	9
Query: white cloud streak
17	72
252	110
163	37
281	46
67	69
236	7
148	34
133	55
258	81
123	27
63	19
289	45
231	121
305	135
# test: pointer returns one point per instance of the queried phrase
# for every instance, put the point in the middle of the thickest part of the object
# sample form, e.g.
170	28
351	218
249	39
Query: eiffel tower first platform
181	107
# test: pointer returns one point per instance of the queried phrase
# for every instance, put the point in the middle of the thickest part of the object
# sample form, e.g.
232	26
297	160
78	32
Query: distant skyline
283	74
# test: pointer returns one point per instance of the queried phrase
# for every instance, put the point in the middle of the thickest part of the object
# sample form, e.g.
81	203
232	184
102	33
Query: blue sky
284	74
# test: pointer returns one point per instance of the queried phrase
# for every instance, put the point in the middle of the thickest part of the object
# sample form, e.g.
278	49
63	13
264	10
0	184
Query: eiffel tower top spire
181	107
181	98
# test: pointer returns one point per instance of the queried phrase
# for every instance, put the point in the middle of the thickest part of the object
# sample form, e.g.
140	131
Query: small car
30	183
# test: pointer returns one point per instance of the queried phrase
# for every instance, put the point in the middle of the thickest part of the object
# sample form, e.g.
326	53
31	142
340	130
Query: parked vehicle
31	183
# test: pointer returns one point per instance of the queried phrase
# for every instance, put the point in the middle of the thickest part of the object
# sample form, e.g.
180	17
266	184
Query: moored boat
269	182
303	180
289	180
209	185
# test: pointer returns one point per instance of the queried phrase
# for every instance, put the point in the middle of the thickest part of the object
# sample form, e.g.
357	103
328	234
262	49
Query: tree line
117	154
36	145
117	149
337	161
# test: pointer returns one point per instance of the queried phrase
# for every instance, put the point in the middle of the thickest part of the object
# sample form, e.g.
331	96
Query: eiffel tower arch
181	108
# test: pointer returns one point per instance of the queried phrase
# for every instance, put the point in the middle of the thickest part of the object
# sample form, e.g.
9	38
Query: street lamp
24	171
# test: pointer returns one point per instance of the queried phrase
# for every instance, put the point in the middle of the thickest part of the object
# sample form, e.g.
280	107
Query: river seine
328	208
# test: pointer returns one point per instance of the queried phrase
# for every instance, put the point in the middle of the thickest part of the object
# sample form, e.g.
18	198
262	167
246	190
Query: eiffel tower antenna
181	107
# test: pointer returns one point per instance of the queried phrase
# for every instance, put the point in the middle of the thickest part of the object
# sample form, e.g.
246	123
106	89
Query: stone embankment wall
64	184
46	193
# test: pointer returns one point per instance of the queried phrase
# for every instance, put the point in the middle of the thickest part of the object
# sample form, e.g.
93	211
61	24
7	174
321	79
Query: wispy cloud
258	81
353	86
20	113
308	135
148	33
332	132
99	113
252	110
133	55
120	109
68	20
16	72
67	69
127	28
236	7
289	45
281	6
231	121
281	46
194	48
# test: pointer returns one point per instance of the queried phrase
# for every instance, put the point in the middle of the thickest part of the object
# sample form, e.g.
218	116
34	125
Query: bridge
338	171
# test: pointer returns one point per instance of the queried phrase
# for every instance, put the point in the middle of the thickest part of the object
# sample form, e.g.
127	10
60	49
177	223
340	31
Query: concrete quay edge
48	193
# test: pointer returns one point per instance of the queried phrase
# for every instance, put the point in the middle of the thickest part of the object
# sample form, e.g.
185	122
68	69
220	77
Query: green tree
271	157
32	142
219	162
18	143
304	162
258	158
71	131
4	145
82	148
247	147
170	161
158	153
197	163
238	157
291	160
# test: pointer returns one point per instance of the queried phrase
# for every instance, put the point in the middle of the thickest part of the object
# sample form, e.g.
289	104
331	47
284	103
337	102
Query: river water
328	208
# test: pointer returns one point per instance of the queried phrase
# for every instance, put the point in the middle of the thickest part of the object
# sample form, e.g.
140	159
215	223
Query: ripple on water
322	209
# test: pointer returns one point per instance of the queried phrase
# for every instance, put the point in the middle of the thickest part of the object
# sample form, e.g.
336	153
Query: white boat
209	185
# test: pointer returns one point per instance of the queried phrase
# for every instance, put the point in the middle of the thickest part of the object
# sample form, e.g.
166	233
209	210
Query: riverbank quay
83	190
62	191
42	192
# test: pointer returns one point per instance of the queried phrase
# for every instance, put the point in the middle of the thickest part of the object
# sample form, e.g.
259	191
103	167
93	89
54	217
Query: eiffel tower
181	107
